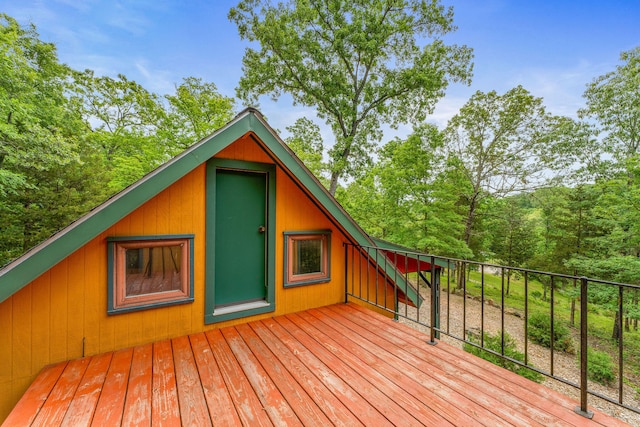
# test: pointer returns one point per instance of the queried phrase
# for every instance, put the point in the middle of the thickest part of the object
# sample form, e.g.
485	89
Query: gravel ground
564	365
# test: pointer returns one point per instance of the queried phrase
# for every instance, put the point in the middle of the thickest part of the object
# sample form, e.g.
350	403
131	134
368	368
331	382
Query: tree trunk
460	275
470	218
616	327
339	166
334	183
572	316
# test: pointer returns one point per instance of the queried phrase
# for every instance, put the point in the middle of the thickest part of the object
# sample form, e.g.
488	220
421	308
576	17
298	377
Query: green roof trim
320	193
42	257
23	270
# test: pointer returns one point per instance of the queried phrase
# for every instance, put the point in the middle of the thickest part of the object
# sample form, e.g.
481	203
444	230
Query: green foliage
599	367
494	343
600	319
46	177
407	198
306	142
613	99
513	235
195	111
70	139
502	144
539	331
360	63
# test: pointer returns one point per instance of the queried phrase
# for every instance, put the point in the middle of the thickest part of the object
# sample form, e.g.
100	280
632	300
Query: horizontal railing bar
425	258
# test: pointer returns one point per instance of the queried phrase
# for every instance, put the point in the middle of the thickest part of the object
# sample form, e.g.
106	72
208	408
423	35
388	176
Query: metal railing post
582	409
434	304
346	273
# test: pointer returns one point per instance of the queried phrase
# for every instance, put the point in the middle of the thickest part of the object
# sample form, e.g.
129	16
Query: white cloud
154	80
127	18
562	88
446	108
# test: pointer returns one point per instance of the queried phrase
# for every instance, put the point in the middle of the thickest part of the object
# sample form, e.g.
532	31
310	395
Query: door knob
262	229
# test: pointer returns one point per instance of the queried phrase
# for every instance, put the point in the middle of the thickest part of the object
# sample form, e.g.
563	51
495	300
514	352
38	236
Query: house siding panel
62	314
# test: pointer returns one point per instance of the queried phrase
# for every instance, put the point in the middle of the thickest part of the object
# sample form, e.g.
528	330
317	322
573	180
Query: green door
240	237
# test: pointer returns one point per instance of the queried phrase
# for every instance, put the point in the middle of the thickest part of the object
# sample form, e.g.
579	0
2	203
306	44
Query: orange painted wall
62	314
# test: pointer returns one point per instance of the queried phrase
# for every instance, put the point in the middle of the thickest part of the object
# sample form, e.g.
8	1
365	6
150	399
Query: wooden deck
340	365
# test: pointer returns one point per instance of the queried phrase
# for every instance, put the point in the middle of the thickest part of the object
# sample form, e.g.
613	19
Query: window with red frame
149	271
307	257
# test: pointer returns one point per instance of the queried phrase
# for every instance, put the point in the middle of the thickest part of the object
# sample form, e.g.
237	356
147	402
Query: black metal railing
457	299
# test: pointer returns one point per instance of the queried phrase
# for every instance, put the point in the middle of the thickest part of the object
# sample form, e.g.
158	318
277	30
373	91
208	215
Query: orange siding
62	314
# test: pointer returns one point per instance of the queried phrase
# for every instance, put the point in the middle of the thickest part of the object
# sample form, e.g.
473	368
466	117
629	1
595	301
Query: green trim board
212	309
23	270
290	161
42	257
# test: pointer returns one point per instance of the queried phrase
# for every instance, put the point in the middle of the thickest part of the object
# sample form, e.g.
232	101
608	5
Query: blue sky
551	47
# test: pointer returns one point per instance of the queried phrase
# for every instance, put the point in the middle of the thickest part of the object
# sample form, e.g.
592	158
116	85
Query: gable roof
21	271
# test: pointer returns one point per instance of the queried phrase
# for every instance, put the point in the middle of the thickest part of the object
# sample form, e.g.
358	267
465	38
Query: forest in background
505	181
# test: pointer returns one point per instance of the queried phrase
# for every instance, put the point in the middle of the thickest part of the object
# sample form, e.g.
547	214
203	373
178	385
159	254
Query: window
149	271
307	256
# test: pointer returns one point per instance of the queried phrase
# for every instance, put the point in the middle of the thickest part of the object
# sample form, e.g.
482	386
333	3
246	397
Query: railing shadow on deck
429	284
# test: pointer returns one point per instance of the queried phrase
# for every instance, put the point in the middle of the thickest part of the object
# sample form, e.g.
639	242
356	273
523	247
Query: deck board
273	402
304	407
432	400
137	404
318	391
54	409
109	407
165	410
193	405
341	365
535	396
245	400
389	380
337	385
35	396
358	376
84	402
219	402
456	384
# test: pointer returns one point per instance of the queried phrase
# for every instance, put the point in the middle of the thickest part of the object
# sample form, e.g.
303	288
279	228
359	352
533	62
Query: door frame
212	315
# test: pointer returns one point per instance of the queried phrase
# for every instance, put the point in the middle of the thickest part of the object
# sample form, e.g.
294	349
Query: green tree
409	195
513	235
503	146
194	111
567	229
306	141
361	63
36	123
623	269
125	119
613	100
47	173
